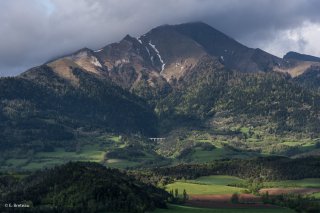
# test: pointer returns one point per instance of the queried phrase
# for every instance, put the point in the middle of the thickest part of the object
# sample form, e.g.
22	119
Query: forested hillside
39	107
81	187
210	90
267	168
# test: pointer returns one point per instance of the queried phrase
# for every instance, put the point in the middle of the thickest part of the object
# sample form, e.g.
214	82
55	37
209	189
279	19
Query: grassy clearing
256	138
87	153
16	162
218	180
89	148
201	189
201	156
218	184
308	182
39	160
316	195
41	165
187	209
120	163
86	150
116	139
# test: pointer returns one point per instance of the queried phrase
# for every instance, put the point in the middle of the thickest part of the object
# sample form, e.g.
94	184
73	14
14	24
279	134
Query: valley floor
191	209
214	194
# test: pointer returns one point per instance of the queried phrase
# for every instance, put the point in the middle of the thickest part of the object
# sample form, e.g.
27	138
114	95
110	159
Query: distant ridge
300	57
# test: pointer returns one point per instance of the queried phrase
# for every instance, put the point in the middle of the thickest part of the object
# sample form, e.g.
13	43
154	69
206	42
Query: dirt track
223	201
225	198
246	200
279	191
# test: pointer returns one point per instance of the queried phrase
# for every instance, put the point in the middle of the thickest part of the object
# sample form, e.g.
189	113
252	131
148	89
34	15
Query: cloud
303	39
35	31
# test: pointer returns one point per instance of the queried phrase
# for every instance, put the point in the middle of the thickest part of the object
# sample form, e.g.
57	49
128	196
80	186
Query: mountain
163	55
151	65
233	54
172	76
180	48
177	103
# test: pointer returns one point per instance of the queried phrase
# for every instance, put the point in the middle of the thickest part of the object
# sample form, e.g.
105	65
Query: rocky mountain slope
155	61
189	71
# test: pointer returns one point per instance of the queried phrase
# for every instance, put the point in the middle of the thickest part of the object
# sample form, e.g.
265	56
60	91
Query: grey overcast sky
34	31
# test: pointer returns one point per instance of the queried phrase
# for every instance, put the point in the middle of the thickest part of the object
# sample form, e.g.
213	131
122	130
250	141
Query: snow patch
148	50
143	45
95	62
139	40
159	56
122	61
81	54
222	58
98	50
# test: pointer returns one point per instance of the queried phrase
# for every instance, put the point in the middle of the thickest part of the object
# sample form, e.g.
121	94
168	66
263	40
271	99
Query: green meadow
194	188
218	180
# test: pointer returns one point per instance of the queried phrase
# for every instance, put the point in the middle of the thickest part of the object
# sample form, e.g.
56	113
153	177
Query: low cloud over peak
36	30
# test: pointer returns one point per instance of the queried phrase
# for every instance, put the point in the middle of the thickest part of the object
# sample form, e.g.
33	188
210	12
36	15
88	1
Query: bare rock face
86	59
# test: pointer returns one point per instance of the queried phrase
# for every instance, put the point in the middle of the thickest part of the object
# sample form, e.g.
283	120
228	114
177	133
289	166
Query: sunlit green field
90	149
218	180
187	209
316	195
214	184
58	156
193	188
231	180
120	163
220	184
246	137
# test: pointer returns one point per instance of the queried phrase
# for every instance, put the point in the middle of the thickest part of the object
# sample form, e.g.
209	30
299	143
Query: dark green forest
81	187
40	108
264	168
210	89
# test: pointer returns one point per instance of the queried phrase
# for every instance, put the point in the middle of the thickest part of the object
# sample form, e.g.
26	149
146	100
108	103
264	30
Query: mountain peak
128	38
84	49
233	54
195	24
